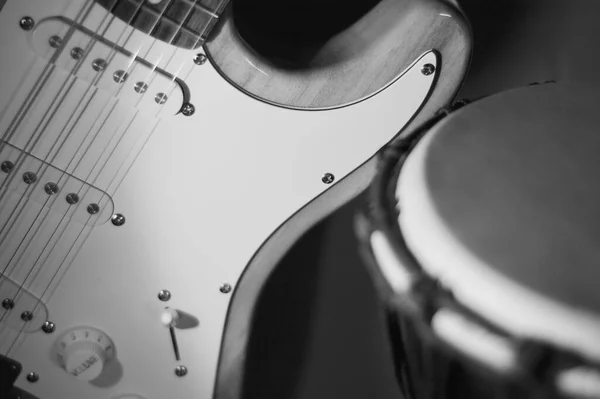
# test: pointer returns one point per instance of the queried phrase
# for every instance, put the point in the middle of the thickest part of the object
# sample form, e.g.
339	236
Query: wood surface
453	42
351	65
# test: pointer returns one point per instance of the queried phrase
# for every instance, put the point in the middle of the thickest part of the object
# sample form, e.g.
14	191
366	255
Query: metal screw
51	188
76	53
180	371
120	76
72	198
93	209
7	166
27	316
328	178
27	23
188	109
140	87
161	98
48	327
118	219
225	288
29	177
200	59
428	69
33	377
99	65
55	41
164	295
8	303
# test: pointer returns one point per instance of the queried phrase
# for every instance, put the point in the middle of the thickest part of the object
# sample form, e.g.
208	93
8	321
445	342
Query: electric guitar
158	157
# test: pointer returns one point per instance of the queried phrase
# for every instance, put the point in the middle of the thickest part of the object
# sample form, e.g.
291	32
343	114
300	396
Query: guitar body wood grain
353	64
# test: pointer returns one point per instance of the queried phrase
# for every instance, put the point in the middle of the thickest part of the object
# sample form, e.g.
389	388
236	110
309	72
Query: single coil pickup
94	59
24	176
20	309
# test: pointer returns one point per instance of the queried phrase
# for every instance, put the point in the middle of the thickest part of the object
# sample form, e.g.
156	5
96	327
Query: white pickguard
205	193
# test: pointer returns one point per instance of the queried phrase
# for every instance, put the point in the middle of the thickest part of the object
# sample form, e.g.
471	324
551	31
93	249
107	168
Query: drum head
501	203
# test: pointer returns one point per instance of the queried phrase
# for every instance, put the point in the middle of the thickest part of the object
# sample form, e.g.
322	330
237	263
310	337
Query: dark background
319	331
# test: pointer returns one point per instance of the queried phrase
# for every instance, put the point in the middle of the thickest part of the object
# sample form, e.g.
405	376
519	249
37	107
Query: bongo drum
483	238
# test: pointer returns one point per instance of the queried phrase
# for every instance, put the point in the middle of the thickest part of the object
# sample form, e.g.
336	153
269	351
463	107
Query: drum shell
427	367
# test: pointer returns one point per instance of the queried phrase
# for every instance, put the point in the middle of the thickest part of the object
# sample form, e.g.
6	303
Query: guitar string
23	196
222	5
121	36
39	130
44	167
38	85
41	253
199	40
42	208
88	186
54	198
86	56
83	228
41	81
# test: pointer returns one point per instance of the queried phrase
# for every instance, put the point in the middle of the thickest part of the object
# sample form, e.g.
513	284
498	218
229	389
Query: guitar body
143	188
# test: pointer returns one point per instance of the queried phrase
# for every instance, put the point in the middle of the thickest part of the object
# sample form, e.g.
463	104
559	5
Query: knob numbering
83	352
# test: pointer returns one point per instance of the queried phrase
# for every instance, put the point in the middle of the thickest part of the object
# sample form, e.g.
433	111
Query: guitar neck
183	23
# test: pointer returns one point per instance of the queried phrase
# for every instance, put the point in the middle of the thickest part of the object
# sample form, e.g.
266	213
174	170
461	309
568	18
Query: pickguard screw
160	98
8	303
7	166
72	198
33	377
120	76
200	59
55	41
93	209
428	69
140	87
76	53
29	177
164	295
225	288
27	316
328	178
188	109
118	219
180	371
51	188
99	65
48	327
27	23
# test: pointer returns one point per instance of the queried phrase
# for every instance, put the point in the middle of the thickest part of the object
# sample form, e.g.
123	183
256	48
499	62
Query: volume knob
83	352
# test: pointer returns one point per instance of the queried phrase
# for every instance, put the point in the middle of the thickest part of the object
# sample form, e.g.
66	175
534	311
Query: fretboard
183	23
